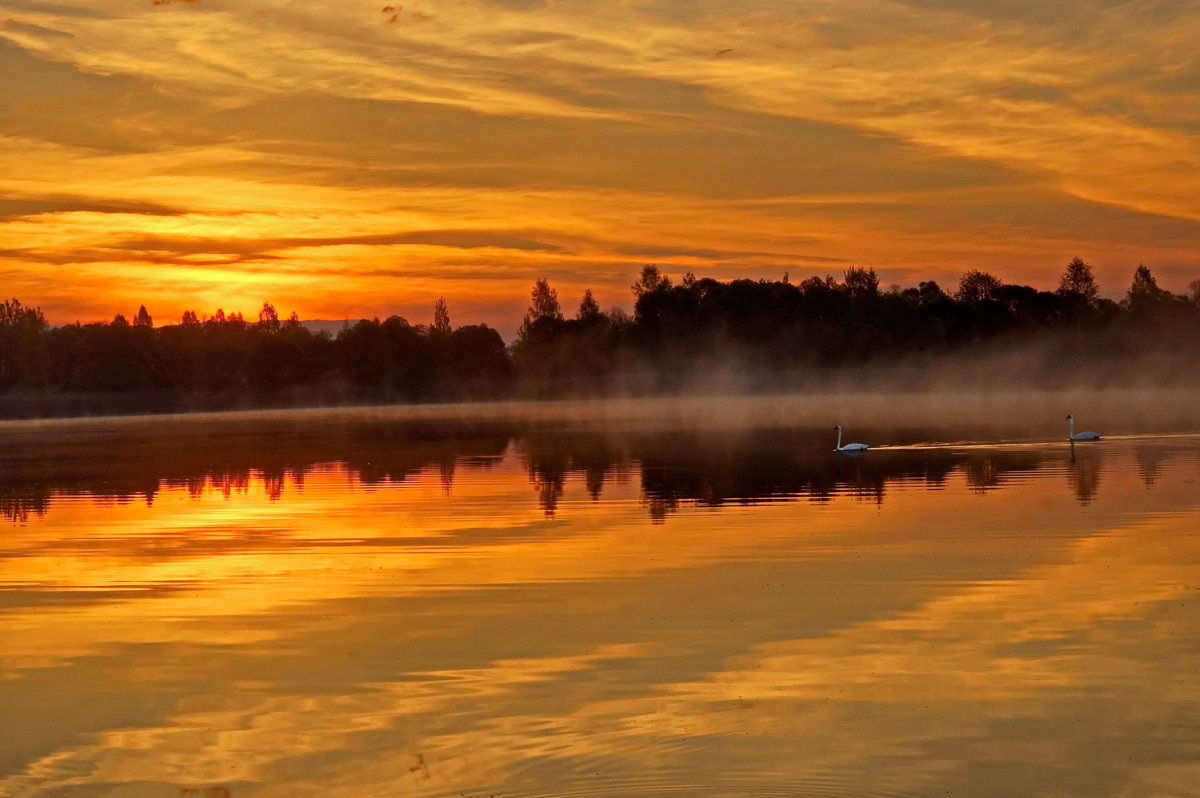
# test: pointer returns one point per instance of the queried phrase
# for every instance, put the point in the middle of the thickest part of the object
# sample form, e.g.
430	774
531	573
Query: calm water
356	606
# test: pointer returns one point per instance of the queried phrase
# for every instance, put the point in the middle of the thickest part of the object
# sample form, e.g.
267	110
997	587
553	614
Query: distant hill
331	326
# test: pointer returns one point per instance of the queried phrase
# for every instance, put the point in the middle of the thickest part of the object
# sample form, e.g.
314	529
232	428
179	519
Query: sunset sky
346	158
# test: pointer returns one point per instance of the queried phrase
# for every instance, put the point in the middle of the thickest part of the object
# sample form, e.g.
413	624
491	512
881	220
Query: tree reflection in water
125	463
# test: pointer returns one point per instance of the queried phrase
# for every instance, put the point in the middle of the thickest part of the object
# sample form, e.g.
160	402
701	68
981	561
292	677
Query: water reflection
678	467
350	610
1150	459
126	463
1085	473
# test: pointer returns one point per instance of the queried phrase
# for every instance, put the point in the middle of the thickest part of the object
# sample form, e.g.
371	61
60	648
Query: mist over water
953	411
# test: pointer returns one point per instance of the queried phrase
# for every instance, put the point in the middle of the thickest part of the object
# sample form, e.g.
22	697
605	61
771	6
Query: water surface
359	606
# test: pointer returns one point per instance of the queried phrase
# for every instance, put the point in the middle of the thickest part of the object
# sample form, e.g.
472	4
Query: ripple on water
747	784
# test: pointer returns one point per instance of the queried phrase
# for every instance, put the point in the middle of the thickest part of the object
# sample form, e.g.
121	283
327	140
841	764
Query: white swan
849	447
1086	435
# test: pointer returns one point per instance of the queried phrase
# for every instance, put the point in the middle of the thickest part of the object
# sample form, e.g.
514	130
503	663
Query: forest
694	334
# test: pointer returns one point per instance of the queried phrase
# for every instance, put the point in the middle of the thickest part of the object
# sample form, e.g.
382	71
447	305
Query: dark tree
477	361
861	283
649	281
976	286
1144	282
929	291
1078	280
543	309
268	317
441	317
142	318
818	284
22	346
1144	296
589	308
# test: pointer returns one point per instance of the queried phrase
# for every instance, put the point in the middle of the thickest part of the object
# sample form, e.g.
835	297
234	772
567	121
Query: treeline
773	333
778	334
227	360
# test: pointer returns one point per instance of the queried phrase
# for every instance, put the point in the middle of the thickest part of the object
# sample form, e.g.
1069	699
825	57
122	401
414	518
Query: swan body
849	447
1086	435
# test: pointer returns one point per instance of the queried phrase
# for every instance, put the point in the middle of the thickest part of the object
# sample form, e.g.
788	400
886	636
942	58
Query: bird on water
849	447
1086	435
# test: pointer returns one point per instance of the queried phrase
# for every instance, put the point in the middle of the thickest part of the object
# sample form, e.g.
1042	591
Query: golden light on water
444	623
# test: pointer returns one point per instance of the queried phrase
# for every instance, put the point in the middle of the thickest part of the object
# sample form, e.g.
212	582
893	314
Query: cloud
13	26
50	9
35	206
459	239
58	102
713	254
252	248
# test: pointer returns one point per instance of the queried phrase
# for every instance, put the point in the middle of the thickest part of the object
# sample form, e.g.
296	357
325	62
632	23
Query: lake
381	604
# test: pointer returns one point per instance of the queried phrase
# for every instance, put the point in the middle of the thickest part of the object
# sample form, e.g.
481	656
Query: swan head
1070	416
838	426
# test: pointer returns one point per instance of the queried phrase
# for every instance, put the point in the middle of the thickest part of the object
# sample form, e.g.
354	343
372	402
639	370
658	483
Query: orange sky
342	161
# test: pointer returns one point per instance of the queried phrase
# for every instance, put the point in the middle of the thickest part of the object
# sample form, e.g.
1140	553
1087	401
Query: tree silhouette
817	284
1144	282
860	282
1078	279
476	362
22	345
545	302
441	317
189	318
589	308
929	291
1144	295
268	317
142	318
649	281
976	286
